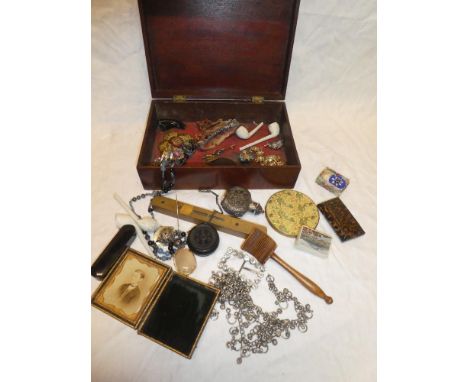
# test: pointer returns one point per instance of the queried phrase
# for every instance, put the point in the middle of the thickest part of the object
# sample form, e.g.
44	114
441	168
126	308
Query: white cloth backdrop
331	101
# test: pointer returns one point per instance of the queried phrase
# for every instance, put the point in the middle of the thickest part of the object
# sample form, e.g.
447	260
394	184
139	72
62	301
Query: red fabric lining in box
197	158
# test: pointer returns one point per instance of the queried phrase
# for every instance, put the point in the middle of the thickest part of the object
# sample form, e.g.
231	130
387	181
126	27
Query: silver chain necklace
253	330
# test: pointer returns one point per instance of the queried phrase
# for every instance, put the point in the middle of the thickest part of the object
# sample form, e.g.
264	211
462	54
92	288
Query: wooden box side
193	176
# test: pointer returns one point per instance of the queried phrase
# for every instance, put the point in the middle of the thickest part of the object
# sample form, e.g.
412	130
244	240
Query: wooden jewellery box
219	59
160	304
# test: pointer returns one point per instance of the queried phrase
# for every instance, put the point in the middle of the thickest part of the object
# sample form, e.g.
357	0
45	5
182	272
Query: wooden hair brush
262	247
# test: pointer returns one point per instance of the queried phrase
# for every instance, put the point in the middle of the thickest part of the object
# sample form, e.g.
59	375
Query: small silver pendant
237	201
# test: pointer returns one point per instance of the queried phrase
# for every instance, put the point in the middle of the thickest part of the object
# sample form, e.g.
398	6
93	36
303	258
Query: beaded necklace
169	239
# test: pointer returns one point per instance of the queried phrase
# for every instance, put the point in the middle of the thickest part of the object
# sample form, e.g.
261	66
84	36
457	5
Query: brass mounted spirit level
196	214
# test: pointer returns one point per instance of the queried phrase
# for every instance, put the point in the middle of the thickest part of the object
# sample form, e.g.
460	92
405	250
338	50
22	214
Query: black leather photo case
179	315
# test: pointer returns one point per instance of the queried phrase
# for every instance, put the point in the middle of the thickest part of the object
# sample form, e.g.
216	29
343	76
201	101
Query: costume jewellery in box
167	124
257	155
213	134
174	150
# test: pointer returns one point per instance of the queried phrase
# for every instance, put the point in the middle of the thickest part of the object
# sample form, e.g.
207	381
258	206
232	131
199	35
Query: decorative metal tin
332	181
312	241
340	218
288	210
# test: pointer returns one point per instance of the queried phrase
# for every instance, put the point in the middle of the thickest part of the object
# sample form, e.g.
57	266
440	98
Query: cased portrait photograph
129	287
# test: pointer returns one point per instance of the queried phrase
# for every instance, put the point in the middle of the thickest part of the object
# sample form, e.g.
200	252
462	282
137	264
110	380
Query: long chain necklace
253	330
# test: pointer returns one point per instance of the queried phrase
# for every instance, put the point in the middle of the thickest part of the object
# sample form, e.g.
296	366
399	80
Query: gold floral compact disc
288	210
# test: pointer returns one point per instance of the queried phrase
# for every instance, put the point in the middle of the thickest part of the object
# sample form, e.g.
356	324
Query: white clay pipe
274	132
243	133
123	219
135	219
146	224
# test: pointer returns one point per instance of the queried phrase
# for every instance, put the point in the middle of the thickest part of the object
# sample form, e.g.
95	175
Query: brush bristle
260	245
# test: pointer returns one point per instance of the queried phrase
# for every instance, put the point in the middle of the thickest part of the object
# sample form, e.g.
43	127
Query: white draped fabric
331	101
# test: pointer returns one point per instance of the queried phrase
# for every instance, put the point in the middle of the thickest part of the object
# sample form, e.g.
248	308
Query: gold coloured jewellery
208	158
257	155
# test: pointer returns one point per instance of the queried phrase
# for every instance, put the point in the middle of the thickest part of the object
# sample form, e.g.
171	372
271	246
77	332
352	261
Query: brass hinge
179	98
258	99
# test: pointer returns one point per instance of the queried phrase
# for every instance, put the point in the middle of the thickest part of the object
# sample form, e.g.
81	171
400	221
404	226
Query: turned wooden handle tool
262	247
190	212
306	282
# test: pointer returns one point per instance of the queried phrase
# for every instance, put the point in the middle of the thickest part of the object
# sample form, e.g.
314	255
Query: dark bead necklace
168	246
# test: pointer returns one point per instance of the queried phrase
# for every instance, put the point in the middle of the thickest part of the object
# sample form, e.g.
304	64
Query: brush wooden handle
306	282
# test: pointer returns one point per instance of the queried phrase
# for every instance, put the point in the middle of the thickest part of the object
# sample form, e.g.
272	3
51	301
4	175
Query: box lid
218	49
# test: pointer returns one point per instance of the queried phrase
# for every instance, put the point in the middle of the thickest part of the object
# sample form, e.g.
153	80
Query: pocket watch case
212	59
